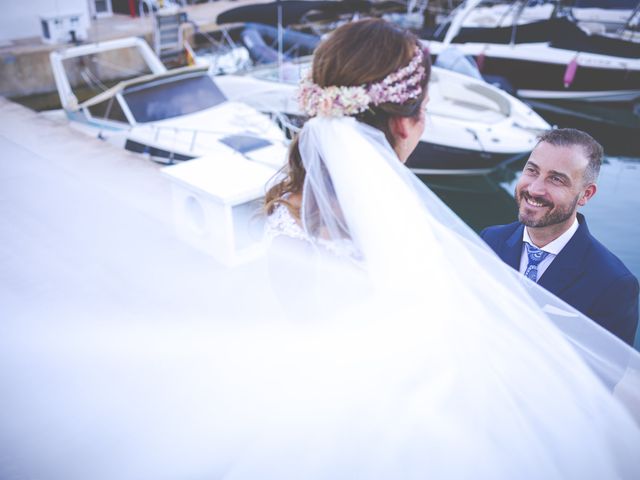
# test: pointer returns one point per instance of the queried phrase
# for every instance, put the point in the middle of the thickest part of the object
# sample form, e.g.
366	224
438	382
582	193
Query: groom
551	243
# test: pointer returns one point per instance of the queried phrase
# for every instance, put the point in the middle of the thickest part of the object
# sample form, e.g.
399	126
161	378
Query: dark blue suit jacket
584	274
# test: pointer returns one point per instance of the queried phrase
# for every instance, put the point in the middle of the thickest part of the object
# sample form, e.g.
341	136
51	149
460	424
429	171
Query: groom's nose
537	187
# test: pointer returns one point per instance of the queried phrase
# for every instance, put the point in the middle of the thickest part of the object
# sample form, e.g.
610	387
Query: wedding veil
126	354
513	346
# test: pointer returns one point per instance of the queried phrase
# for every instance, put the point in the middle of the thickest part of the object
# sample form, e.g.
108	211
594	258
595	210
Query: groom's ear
398	127
587	193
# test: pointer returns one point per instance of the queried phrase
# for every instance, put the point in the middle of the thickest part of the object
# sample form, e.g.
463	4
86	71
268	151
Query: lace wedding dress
282	223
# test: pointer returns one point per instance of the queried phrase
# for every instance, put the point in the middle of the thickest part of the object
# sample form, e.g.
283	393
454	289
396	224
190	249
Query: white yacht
545	56
472	127
169	115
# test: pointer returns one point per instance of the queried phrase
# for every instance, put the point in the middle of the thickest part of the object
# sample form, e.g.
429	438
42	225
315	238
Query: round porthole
194	214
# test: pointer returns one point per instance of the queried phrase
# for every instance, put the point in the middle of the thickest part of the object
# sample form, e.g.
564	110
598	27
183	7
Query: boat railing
226	40
516	16
194	133
283	121
632	24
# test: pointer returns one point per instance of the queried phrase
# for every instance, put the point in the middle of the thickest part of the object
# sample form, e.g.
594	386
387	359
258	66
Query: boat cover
292	11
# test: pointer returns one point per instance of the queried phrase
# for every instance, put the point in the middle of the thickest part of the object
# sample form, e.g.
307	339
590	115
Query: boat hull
616	128
535	79
433	159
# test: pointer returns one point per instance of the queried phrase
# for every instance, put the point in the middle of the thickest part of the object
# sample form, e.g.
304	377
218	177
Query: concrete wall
26	74
21	18
29	72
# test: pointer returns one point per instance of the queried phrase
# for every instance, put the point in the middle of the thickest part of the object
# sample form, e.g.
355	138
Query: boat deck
25	69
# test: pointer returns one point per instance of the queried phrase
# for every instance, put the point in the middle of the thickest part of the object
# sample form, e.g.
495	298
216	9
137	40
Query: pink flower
334	101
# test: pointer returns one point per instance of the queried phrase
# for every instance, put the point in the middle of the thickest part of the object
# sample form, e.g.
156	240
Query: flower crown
334	101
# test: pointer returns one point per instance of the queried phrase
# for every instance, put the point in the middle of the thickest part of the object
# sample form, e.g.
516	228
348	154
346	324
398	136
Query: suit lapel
512	251
569	263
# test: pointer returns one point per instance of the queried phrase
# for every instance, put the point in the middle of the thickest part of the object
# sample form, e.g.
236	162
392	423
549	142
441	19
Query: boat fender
570	72
480	60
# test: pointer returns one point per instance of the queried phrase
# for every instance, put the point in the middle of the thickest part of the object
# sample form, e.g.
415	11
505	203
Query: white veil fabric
537	371
127	354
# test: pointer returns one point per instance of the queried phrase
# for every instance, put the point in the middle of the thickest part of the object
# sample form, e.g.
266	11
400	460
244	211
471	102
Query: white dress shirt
553	248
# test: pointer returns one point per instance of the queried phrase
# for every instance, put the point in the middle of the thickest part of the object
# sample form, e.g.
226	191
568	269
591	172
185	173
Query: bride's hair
358	53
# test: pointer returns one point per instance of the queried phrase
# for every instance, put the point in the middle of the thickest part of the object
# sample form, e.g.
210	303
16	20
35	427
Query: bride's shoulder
282	223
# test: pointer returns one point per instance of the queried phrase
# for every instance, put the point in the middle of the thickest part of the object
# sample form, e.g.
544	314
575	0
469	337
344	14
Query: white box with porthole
217	205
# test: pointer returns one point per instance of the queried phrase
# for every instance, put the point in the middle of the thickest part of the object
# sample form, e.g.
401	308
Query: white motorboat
609	14
472	127
550	58
169	115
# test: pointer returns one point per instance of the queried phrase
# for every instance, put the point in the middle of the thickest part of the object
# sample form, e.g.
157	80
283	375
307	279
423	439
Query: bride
400	347
513	389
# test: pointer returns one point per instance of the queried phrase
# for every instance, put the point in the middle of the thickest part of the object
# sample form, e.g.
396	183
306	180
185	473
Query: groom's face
551	186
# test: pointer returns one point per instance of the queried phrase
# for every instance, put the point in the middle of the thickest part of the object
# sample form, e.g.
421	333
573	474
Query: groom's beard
553	215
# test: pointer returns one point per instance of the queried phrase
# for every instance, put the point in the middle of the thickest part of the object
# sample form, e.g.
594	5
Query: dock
24	64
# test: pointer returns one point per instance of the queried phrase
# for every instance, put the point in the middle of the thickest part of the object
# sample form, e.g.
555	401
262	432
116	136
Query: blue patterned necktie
535	257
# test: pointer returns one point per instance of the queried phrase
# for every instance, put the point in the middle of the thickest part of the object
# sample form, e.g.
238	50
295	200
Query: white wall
21	18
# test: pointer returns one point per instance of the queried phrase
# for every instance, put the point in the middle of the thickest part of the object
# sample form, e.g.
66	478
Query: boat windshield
290	72
171	97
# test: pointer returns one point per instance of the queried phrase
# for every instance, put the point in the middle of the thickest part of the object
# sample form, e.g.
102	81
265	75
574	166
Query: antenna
280	40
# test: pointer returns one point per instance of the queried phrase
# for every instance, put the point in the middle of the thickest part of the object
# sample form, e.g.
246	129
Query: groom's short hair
569	137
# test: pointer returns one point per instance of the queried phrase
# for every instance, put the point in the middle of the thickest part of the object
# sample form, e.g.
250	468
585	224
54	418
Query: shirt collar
558	244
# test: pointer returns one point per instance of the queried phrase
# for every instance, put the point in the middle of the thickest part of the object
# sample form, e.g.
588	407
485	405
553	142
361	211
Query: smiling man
551	244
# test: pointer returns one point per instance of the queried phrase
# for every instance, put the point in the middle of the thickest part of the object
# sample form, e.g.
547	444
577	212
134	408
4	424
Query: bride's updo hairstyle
372	54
